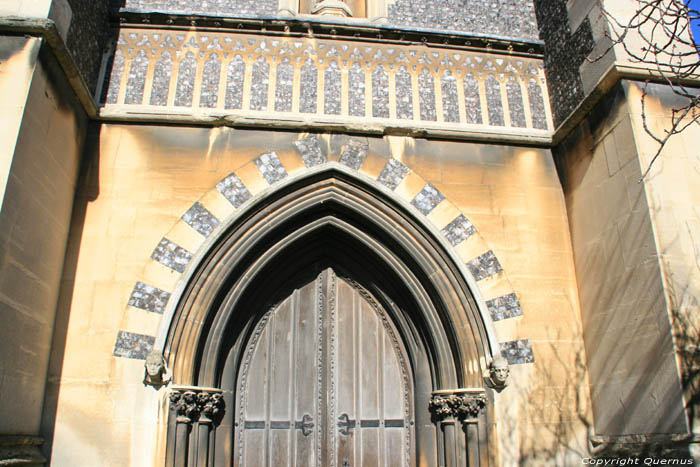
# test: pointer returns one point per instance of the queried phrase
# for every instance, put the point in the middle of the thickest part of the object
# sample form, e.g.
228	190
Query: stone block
373	165
252	178
186	237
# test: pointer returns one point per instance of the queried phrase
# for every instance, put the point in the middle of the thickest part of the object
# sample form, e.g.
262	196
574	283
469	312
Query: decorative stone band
215	76
459	404
195	404
174	252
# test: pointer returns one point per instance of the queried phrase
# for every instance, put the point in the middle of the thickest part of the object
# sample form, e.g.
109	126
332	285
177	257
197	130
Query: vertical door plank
345	374
306	388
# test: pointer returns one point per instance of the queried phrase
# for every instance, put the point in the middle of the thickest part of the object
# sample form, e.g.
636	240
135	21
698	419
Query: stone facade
581	280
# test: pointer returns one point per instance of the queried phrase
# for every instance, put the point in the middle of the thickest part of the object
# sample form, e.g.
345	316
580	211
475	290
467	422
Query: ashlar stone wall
152	193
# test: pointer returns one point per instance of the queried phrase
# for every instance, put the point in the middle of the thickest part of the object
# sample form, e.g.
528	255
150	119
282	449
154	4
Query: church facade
367	232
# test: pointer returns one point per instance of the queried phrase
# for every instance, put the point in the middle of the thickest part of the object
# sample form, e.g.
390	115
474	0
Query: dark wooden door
325	381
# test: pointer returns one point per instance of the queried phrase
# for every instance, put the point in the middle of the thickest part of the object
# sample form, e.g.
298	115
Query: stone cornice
47	30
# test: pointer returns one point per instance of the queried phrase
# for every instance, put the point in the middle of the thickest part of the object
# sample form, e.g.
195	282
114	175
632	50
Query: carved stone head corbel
156	373
498	374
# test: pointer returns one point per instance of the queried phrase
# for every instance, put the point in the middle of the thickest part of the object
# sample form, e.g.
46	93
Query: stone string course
135	345
219	74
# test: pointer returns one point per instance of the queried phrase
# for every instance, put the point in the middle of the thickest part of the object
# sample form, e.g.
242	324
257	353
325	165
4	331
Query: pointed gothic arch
330	217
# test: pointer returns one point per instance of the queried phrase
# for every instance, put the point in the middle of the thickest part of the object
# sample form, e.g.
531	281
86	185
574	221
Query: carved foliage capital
459	405
193	404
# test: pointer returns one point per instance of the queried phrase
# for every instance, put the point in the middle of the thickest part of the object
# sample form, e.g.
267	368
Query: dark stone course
310	150
132	345
507	306
392	174
149	298
200	219
484	266
458	230
171	255
233	190
517	352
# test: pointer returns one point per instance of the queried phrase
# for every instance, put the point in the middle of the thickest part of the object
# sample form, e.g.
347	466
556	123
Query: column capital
190	403
459	404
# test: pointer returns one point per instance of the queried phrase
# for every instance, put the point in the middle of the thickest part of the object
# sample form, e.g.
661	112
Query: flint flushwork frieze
211	74
457	405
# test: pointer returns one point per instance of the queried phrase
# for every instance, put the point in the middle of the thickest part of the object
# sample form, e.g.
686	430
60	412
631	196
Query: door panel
324	381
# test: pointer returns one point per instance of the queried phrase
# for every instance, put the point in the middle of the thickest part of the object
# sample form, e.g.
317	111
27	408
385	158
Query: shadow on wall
561	430
559	422
87	191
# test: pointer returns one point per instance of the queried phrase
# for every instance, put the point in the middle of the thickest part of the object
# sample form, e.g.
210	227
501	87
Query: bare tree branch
658	37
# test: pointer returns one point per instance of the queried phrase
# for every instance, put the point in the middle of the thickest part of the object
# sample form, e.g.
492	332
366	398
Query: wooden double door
325	381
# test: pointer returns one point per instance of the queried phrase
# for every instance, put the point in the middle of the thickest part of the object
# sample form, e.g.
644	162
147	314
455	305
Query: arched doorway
325	380
331	283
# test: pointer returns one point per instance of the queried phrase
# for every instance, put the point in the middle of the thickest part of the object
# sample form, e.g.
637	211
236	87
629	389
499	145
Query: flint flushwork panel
271	167
233	189
210	82
332	93
310	150
115	78
171	255
404	94
200	219
507	306
534	93
458	230
392	174
235	77
132	345
284	87
484	266
493	101
450	99
517	352
427	199
515	103
161	80
309	83
354	154
426	92
471	99
216	74
356	81
137	79
380	93
149	298
259	85
185	81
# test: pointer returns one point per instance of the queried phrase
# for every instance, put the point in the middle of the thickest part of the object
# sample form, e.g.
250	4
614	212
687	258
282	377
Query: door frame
335	216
